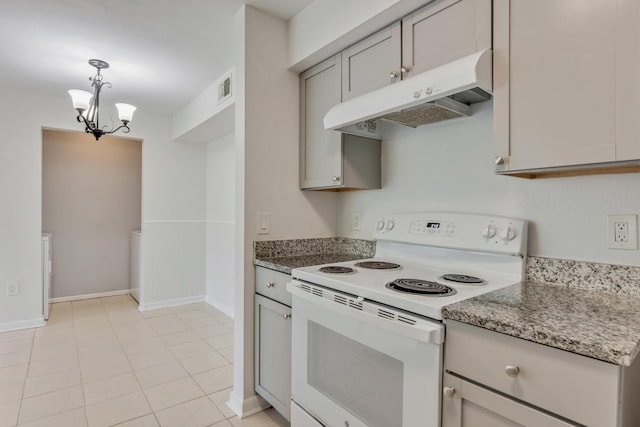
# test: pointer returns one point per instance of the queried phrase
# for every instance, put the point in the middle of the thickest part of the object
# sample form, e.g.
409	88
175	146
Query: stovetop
428	246
371	284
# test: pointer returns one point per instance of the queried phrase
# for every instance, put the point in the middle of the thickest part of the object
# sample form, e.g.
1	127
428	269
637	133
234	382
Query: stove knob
508	234
390	225
379	225
488	232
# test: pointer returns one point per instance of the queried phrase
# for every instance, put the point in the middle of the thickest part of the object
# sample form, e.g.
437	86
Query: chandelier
87	105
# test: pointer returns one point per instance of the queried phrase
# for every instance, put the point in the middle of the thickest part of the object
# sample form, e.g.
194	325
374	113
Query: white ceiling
162	53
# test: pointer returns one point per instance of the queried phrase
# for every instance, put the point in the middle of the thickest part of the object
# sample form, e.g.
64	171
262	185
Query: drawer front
273	284
573	386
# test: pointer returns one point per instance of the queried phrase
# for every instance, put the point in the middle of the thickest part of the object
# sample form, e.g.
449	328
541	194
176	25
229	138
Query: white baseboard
249	406
89	296
145	306
22	324
229	311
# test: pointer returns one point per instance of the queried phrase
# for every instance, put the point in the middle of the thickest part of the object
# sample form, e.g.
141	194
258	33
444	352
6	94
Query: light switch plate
622	232
356	221
264	223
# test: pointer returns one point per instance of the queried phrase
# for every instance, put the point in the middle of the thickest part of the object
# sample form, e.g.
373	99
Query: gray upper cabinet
320	149
330	160
627	81
372	63
566	88
443	31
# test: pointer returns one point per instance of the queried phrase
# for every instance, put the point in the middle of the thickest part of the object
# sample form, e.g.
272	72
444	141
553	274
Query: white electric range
367	335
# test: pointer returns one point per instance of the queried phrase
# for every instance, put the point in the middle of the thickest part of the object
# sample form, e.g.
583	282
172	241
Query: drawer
273	284
579	388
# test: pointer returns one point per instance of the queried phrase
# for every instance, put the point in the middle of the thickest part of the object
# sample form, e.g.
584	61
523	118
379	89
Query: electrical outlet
622	231
356	221
12	289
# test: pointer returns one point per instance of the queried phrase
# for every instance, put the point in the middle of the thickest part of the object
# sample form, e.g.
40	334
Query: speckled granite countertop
604	326
285	255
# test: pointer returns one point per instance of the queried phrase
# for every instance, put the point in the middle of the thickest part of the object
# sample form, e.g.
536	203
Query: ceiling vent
224	88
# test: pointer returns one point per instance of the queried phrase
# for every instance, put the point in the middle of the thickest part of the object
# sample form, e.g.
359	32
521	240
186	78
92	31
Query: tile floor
101	362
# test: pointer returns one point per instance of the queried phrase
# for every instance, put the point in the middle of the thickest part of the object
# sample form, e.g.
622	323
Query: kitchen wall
91	200
266	149
173	207
221	223
448	167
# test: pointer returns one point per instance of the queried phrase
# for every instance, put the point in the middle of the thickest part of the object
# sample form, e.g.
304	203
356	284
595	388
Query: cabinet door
320	149
628	81
443	31
369	65
273	353
468	405
554	82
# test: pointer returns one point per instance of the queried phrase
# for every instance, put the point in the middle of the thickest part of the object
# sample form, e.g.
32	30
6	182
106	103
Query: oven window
362	380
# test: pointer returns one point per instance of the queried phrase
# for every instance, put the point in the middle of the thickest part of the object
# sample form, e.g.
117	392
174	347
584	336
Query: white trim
169	303
171	221
220	306
22	324
215	221
90	296
247	407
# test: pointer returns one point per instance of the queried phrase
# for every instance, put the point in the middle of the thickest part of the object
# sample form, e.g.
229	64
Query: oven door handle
425	331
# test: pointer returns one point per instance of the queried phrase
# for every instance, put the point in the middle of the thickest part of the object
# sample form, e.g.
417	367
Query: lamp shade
80	99
125	112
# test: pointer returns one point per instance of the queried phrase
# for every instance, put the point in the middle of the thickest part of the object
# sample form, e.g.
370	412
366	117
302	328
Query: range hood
439	94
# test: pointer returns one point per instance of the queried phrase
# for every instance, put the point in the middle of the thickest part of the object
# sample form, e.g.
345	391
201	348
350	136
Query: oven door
358	363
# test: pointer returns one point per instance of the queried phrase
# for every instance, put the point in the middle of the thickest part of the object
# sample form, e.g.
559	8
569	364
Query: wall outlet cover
622	232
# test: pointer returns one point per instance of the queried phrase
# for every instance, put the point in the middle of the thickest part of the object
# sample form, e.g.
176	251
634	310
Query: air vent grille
224	89
406	320
340	299
305	288
317	292
356	305
386	314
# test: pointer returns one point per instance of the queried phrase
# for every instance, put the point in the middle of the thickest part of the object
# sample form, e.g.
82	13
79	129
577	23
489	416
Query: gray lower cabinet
330	160
468	405
273	341
495	380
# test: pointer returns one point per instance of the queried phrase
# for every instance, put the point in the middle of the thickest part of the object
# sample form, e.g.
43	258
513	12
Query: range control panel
456	231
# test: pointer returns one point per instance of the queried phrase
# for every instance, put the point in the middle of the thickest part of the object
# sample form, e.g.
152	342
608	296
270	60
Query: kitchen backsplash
325	245
618	279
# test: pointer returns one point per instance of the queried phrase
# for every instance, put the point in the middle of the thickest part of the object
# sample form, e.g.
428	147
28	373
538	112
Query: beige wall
91	199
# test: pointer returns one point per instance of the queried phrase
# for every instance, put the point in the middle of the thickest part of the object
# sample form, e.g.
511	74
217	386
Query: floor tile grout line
26	375
84	399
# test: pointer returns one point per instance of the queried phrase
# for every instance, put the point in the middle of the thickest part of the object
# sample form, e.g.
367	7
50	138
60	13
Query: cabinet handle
498	160
270	285
404	70
393	75
335	179
511	370
449	391
286	316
